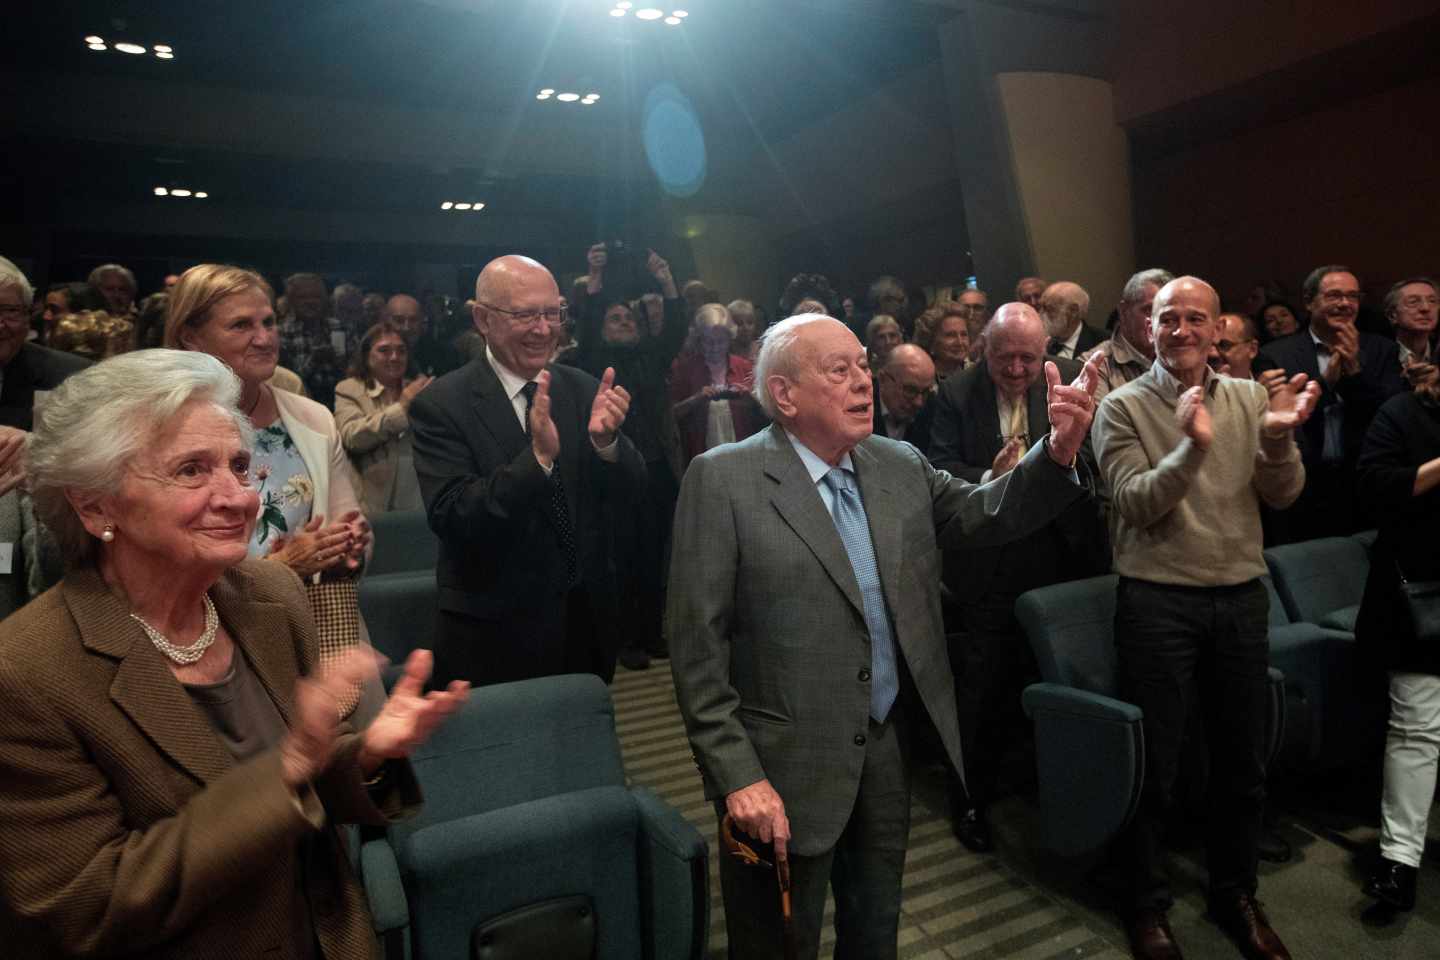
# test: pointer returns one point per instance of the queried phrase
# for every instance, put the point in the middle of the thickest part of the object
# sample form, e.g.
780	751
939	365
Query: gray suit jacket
768	643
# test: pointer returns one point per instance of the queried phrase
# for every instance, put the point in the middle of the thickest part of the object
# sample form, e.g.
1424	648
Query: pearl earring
108	534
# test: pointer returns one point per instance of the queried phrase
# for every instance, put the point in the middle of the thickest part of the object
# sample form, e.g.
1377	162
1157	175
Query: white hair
777	356
90	428
13	276
105	269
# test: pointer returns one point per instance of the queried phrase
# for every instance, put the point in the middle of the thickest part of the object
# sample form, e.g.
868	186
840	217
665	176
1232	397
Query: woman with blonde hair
309	517
710	386
372	408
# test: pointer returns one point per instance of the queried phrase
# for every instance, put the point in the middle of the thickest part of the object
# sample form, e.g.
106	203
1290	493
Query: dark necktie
559	508
1053	347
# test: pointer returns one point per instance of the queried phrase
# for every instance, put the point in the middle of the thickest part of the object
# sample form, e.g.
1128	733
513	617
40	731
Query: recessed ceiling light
201	195
462	206
94	39
649	13
568	97
542	96
548	90
161	191
163	48
165	56
682	14
129	48
447	205
477	207
97	46
179	192
673	21
617	12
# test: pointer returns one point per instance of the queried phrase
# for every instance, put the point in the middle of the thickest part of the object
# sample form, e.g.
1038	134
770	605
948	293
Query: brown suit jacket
128	829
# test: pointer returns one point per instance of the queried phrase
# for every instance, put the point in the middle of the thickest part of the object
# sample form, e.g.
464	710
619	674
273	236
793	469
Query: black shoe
1273	848
971	829
633	658
1394	884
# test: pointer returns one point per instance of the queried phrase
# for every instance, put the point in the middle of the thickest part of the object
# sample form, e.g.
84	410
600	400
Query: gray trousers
864	867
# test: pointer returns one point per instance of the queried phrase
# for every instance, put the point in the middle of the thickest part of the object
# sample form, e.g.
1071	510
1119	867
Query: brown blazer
128	829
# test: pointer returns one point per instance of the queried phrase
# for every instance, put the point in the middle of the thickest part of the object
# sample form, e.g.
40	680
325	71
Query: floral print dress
287	494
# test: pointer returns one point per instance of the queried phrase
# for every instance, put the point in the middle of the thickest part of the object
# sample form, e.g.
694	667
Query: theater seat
403	543
400	613
1321	581
530	843
1089	745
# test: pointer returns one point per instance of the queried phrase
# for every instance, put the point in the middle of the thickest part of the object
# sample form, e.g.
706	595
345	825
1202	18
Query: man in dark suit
24	367
1357	372
523	468
984	421
1064	307
904	396
805	633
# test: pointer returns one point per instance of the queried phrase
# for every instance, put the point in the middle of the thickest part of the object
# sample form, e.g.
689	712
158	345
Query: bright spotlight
673	21
179	192
649	13
447	205
462	206
201	195
164	56
682	14
568	97
97	46
163	48
477	207
542	96
94	39
129	48
617	12
161	192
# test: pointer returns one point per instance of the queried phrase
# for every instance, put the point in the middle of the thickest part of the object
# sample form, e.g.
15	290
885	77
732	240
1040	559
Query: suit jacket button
864	675
859	739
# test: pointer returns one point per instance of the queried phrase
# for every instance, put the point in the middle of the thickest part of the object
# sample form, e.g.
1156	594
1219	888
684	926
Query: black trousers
552	638
1196	650
992	663
645	551
864	869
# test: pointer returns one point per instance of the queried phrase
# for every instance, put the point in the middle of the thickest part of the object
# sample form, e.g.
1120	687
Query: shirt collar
375	389
1074	338
816	467
1172	387
1122	351
1320	345
509	379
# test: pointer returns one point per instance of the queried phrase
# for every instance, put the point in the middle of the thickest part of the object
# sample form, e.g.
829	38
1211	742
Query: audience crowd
558	444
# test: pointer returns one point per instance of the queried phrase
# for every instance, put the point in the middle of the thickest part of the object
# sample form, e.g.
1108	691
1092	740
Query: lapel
799	505
148	693
495	410
1037	409
986	419
886	527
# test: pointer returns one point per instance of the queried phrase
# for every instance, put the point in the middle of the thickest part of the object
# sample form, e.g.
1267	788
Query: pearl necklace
185	655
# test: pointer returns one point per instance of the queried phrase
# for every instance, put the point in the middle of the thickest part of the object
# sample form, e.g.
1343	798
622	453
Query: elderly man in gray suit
805	631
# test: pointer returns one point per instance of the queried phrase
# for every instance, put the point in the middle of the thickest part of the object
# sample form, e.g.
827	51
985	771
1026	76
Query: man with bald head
1189	457
522	465
985	418
429	355
805	633
1064	306
904	386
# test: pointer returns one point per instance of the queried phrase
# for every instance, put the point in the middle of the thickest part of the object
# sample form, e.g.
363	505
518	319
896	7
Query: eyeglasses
1338	296
529	318
1225	346
910	392
1419	301
14	313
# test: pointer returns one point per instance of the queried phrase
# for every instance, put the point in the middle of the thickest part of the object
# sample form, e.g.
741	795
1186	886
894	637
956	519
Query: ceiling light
649	13
447	205
673	21
97	46
129	48
462	206
587	103
592	96
201	195
162	48
165	56
161	191
617	12
568	97
179	192
542	96
478	207
94	39
682	14
548	90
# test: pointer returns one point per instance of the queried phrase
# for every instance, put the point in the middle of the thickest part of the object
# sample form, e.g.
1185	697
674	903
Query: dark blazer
768	643
966	438
487	497
1090	338
130	831
1379	379
918	431
1404	435
33	368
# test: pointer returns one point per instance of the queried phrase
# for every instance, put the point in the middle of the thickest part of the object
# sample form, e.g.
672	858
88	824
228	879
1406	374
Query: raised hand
12	458
544	438
1071	409
315	719
410	715
1344	354
759	811
1193	418
412	390
1291	404
596	257
314	548
659	268
608	412
1272	380
1006	459
1419	373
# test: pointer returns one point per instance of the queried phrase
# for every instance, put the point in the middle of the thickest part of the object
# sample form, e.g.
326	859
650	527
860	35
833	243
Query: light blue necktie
854	529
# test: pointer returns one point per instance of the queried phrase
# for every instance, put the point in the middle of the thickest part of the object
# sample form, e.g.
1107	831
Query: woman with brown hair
372	407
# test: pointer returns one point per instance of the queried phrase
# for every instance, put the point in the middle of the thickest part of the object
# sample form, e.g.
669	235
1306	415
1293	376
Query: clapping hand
608	412
12	458
544	438
413	388
1194	419
1071	409
1008	456
313	548
1418	373
360	537
410	715
1344	354
1291	404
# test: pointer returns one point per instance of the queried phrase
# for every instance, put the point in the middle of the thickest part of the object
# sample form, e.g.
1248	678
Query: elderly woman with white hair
116	285
172	761
710	386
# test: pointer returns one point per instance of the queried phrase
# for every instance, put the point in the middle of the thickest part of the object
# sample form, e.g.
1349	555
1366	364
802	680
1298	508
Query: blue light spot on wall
674	142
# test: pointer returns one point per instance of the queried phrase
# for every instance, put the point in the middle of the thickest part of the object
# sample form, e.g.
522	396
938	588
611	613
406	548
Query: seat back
1318	576
1279	616
400	611
512	743
403	543
1071	629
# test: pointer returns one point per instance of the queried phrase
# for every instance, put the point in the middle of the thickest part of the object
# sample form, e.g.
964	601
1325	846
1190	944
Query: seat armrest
1070	701
389	909
675	881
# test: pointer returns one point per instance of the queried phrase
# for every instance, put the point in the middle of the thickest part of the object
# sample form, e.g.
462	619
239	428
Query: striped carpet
956	904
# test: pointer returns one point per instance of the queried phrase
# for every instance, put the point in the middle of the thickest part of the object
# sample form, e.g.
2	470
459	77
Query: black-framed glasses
1226	346
910	391
529	318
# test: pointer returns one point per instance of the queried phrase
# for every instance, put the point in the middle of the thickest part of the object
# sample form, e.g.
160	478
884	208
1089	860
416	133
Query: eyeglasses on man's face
553	316
14	314
1225	346
1342	296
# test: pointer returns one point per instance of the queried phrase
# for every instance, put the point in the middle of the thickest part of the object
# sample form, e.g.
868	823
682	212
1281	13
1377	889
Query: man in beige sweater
1189	456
